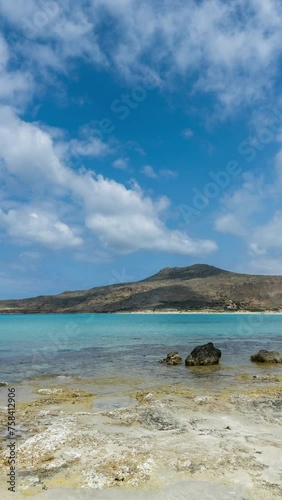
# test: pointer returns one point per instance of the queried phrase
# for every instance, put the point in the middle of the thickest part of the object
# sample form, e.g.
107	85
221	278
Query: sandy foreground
85	439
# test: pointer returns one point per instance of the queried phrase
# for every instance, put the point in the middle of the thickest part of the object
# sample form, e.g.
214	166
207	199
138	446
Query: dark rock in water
203	355
264	356
3	384
172	358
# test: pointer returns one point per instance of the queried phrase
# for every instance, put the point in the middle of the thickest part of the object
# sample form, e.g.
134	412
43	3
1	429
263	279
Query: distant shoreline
231	313
199	312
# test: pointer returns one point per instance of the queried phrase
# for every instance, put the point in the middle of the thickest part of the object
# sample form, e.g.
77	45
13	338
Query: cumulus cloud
26	224
27	150
130	232
121	219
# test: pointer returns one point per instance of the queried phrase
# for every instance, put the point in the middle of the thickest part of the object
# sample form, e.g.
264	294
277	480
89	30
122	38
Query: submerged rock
203	355
264	356
64	393
172	358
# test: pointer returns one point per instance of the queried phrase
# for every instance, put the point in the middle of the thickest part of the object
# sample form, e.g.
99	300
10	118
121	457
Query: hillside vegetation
198	287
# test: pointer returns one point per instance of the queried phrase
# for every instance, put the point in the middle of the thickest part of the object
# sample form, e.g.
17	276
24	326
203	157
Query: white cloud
4	52
230	49
122	219
267	265
92	146
235	46
31	225
130	232
126	220
121	163
269	235
167	173
27	150
229	223
67	27
148	171
255	249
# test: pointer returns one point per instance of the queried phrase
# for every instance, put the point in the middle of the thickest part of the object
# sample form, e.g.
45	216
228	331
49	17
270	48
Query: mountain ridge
189	272
194	288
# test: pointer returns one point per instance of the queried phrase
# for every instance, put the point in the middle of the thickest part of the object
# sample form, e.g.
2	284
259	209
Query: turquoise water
127	345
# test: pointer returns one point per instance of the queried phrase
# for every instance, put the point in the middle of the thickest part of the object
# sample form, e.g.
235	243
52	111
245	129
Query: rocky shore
83	440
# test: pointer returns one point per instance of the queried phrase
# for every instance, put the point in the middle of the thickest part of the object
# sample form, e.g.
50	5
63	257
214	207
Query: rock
154	417
3	384
203	355
264	356
64	393
172	358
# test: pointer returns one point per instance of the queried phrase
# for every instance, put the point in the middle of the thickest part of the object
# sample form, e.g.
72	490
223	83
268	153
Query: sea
127	347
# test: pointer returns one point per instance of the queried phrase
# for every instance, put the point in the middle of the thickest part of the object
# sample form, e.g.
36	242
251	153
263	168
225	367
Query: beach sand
202	311
101	439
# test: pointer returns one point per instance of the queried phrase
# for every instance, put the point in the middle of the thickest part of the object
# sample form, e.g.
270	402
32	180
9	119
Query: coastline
147	311
204	311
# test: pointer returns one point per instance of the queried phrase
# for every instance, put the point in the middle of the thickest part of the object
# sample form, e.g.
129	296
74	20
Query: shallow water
181	490
127	347
194	432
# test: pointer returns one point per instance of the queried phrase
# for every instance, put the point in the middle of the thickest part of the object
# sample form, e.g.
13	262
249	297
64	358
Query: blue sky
135	136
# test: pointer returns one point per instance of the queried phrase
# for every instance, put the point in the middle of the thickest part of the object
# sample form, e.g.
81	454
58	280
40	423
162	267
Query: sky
136	136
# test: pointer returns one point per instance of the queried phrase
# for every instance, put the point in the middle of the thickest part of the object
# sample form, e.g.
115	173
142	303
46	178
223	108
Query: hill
198	287
187	273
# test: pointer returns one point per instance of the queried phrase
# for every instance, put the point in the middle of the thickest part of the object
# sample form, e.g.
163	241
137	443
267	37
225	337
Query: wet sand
103	439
